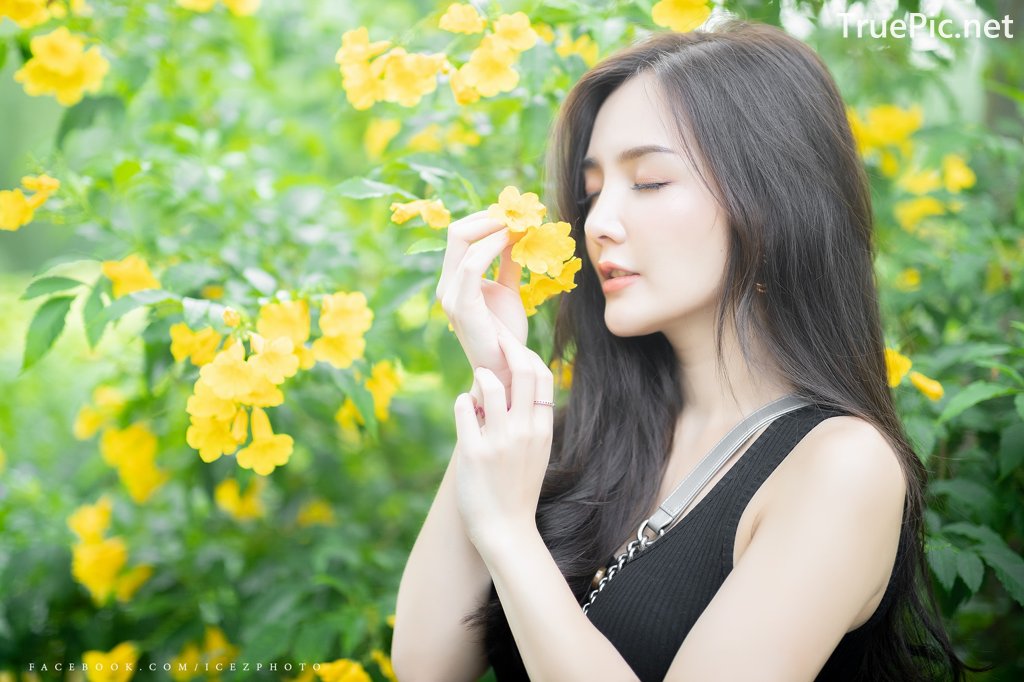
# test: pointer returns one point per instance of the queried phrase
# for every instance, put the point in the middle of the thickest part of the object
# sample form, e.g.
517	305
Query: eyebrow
630	154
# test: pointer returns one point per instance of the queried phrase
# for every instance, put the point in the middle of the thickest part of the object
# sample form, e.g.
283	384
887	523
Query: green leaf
426	244
3	53
1008	566
85	112
363	188
313	641
1011	449
1019	404
261	280
967	492
942	559
92	312
196	312
977	392
970	568
46	326
49	285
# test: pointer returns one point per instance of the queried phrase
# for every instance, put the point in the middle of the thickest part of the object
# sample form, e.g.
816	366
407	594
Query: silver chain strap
634	548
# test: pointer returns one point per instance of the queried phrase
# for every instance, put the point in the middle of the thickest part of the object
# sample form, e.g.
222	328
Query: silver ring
543	402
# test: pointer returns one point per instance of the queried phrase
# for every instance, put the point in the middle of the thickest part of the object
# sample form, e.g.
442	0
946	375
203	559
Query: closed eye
585	201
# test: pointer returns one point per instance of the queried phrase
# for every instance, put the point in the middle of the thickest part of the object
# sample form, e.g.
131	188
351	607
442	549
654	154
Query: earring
760	287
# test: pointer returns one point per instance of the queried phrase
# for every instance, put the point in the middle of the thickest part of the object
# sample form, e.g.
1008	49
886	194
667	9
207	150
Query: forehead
632	116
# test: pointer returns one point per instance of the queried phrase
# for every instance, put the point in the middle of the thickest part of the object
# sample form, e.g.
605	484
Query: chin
630	324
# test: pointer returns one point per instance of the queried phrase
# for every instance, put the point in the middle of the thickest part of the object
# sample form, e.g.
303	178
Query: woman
719	166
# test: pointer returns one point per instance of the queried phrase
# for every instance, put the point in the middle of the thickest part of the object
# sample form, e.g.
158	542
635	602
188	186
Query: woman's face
672	235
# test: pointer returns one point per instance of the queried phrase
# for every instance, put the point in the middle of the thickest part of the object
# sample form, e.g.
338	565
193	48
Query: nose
603	222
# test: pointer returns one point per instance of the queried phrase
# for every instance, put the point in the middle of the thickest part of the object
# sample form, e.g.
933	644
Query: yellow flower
929	387
242	8
60	66
130	274
340	351
100	666
129	583
544	249
514	32
680	15
345	313
15	210
383	383
212	437
136	440
408	77
517	212
489	69
212	292
216	647
383	662
426	140
264	393
231	317
544	32
197	5
909	280
87	422
201	346
90	521
462	18
141	476
43	184
356	48
885	125
315	512
463	92
458	137
240	506
229	375
348	415
188	660
205	403
897	365
267	449
343	670
956	174
96	564
362	84
25	13
275	360
911	212
584	46
378	134
563	373
287	318
920	181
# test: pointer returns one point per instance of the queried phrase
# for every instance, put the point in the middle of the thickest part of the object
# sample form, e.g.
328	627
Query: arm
823	549
444	579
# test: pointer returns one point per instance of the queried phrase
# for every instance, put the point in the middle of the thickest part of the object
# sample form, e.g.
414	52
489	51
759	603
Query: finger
523	377
510	273
466	425
461	234
466	282
495	409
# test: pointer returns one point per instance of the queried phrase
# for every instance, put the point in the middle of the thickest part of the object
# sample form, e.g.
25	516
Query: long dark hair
770	128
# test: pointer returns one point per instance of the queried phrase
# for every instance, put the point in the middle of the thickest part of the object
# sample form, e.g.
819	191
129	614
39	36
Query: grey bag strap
684	493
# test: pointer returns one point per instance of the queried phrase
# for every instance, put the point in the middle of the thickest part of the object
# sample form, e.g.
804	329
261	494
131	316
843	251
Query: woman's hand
500	463
476	307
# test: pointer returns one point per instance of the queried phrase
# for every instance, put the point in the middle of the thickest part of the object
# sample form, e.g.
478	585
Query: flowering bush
251	419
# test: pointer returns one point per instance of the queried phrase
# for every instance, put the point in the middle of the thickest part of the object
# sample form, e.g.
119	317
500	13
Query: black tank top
647	610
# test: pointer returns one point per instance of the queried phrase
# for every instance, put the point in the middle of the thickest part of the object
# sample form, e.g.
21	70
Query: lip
605	268
616	283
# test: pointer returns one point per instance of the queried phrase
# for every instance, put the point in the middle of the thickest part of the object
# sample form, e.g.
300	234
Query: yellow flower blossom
514	32
267	449
264	393
200	346
141	476
25	13
383	662
188	660
339	351
931	388
16	210
458	137
584	46
426	140
516	211
275	359
562	371
348	416
129	583
241	507
463	92
432	211
231	317
96	564
379	133
61	66
315	512
216	648
212	292
100	665
680	15
136	440
384	381
462	18
211	437
205	403
242	8
911	212
920	181
544	249
87	422
229	375
356	48
408	77
129	275
885	125
197	5
909	280
286	318
544	32
90	521
956	174
343	670
42	184
489	69
897	365
345	313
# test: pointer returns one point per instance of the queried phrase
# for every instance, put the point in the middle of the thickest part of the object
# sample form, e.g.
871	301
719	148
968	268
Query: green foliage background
222	149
